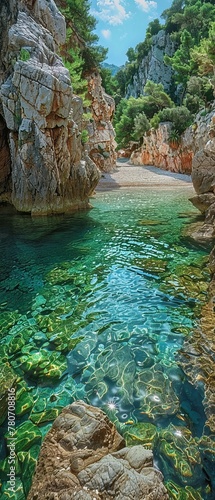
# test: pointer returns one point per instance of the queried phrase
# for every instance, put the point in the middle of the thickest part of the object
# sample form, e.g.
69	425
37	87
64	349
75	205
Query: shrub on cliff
141	125
179	116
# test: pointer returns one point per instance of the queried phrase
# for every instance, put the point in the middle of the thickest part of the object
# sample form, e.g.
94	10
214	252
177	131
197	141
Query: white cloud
146	5
111	11
106	33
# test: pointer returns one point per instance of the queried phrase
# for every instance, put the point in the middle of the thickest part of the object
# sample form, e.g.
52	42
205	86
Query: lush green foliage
191	26
179	116
80	33
132	114
204	54
141	125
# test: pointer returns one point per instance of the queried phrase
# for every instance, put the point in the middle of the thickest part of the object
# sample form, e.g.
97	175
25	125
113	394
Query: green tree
141	125
179	116
74	63
199	93
181	61
154	27
109	82
80	33
126	112
131	55
156	96
204	54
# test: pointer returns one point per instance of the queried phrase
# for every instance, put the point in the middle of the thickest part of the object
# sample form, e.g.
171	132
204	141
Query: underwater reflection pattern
97	305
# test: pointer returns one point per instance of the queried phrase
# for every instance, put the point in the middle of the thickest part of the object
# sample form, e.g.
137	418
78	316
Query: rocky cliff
198	350
158	150
152	66
102	145
43	168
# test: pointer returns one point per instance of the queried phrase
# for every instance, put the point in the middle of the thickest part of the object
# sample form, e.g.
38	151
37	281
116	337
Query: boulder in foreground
83	457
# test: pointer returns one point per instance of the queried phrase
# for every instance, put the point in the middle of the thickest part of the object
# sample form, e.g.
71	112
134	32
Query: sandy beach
127	175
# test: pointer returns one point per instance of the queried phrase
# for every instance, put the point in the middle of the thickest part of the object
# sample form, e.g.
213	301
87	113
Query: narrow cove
96	306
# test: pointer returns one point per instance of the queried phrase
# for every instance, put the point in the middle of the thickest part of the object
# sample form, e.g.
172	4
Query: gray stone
49	171
152	66
83	457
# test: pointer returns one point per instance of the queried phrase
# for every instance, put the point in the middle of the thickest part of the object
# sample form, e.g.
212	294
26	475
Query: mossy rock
149	222
7	320
61	274
152	265
140	433
27	462
7	494
63	342
24	400
42	364
27	435
5	468
8	380
177	492
45	416
178	449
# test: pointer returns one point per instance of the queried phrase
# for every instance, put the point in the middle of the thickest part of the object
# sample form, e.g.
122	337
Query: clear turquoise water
123	294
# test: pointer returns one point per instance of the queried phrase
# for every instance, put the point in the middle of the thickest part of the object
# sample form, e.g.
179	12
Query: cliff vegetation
169	76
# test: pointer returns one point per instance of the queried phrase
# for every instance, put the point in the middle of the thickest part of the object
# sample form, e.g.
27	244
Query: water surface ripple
109	295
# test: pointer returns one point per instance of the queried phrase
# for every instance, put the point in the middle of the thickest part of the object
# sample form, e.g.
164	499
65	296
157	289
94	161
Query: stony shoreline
126	175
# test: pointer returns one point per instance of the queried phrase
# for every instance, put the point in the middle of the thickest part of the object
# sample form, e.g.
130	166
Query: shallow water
123	283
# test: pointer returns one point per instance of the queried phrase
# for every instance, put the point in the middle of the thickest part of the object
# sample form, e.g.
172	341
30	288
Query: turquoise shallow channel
96	306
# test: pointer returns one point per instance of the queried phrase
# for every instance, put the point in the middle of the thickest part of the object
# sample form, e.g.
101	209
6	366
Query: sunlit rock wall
152	66
47	171
158	150
102	143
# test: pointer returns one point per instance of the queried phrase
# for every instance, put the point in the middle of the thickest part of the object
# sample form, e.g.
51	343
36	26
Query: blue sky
122	24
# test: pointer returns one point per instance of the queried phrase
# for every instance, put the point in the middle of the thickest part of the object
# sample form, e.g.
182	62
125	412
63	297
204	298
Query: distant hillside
112	67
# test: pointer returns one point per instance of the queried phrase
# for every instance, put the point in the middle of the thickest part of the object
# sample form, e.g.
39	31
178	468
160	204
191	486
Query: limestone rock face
102	143
83	457
184	157
48	170
152	66
157	150
203	177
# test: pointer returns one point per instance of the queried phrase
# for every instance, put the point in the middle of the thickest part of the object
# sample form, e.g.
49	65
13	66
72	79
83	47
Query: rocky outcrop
152	66
203	177
47	171
198	351
183	156
101	143
159	151
84	457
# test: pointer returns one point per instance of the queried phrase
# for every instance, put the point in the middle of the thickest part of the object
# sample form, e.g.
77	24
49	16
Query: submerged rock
8	380
180	454
84	457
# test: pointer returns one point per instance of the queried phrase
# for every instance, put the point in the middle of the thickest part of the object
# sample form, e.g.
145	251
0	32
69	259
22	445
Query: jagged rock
158	150
50	173
83	457
102	143
152	66
193	153
203	201
197	354
203	169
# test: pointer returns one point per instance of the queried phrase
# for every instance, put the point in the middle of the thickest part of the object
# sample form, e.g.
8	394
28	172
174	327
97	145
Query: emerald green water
96	306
